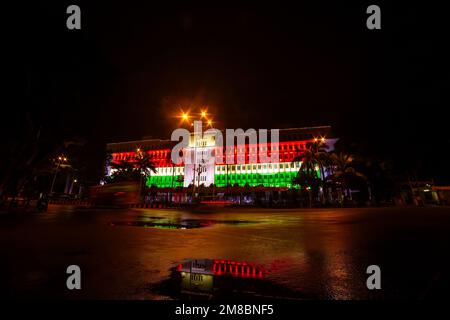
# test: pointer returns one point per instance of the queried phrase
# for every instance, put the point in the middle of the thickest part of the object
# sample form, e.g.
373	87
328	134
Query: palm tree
141	166
145	167
123	171
144	164
308	178
312	157
343	171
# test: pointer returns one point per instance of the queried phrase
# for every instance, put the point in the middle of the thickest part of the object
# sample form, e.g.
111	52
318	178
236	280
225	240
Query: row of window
165	155
154	154
168	171
248	158
255	167
165	181
268	148
202	178
256	176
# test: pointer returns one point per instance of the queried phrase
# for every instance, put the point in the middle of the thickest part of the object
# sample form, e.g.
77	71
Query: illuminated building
243	171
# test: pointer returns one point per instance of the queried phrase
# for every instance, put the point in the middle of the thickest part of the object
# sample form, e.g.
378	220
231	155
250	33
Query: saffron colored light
237	269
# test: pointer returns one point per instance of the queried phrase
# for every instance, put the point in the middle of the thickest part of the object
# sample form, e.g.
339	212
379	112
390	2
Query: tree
380	180
312	159
139	167
123	171
309	182
19	157
144	164
343	172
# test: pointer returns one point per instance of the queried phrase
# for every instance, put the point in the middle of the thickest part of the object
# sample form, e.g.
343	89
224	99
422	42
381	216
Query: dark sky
126	72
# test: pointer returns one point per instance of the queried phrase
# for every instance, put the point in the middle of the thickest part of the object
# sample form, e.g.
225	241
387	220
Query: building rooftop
288	134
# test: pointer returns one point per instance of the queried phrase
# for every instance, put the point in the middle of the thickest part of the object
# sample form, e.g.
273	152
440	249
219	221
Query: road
306	253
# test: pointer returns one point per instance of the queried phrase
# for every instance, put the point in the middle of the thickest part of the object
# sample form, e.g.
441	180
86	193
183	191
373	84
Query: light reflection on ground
309	254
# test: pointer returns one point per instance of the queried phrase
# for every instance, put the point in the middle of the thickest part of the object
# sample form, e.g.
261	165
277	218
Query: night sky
125	74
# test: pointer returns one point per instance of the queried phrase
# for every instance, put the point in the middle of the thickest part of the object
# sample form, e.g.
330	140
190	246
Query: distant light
65	159
203	114
75	180
315	139
59	158
210	122
184	116
138	149
323	139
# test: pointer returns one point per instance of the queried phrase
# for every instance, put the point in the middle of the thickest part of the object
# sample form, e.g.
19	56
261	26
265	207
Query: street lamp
60	160
139	158
185	116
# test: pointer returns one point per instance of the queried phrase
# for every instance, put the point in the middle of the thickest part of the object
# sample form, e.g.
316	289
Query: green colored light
168	181
279	179
157	226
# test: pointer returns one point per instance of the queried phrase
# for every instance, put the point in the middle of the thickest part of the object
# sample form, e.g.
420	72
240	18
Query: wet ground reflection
164	223
311	254
201	279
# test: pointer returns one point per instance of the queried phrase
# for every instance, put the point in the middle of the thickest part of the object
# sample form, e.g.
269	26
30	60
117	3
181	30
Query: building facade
248	164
